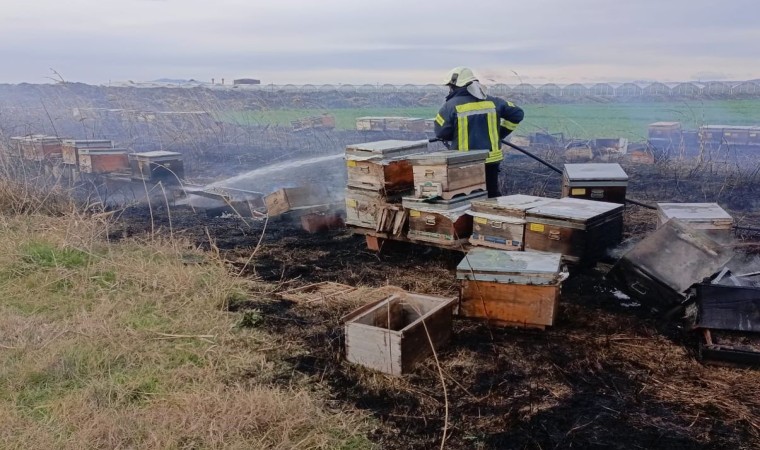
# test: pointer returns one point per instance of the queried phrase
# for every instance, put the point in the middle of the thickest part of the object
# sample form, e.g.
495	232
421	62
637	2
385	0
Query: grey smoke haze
344	41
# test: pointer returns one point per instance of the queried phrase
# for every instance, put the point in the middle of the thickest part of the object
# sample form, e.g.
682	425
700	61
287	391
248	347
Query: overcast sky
382	41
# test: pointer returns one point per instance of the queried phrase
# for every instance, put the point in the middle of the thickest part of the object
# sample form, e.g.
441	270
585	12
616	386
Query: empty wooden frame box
103	160
392	336
510	288
603	182
581	230
441	221
708	217
158	165
500	222
382	165
449	174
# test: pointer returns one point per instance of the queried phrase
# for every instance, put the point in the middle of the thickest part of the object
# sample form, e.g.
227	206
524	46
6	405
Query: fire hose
546	163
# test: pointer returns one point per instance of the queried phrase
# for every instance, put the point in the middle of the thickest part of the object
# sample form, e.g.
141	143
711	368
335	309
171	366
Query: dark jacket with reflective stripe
472	124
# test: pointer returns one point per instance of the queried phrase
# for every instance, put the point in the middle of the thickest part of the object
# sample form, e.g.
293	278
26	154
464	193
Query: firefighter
472	120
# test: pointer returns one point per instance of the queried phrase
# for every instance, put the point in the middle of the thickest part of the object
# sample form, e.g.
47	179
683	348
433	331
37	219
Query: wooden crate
442	221
321	222
395	334
581	230
448	174
707	217
602	182
510	288
155	166
100	161
288	199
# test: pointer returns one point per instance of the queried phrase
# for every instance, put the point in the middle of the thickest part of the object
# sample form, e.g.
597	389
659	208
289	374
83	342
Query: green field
579	120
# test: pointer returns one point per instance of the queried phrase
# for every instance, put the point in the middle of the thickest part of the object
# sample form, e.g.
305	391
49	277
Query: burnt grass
609	374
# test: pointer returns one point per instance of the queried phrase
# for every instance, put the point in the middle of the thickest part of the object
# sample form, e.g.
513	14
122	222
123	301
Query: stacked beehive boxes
379	174
70	148
445	185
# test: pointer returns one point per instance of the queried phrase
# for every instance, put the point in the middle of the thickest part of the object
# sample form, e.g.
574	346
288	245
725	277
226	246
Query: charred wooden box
159	165
722	307
441	221
500	222
708	217
382	165
660	268
449	174
369	209
103	160
602	182
70	148
581	230
510	288
302	198
395	334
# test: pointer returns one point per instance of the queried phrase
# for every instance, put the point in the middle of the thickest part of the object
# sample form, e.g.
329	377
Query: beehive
158	165
103	160
70	148
448	174
382	165
510	288
581	230
440	222
603	182
500	222
709	217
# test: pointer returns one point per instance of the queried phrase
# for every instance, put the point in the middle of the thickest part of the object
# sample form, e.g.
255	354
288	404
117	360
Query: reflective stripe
494	156
493	131
511	104
511	126
439	120
464	134
475	106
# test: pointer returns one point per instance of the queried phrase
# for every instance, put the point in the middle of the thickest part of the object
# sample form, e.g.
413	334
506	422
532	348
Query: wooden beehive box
70	148
442	221
662	266
510	288
40	148
382	165
392	336
106	160
449	173
293	198
603	182
708	217
372	209
581	230
414	124
753	137
736	135
500	222
158	165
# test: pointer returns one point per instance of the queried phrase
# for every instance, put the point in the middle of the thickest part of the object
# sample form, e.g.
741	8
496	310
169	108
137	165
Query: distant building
246	81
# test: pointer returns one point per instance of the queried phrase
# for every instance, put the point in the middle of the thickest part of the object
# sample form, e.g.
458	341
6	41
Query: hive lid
694	212
387	148
595	172
574	209
157	154
483	264
442	205
449	157
103	151
517	203
678	255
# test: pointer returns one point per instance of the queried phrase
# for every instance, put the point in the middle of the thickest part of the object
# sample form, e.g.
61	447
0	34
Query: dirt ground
609	374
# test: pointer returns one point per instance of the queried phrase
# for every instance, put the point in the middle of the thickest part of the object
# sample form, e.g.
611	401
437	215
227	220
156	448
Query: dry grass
129	345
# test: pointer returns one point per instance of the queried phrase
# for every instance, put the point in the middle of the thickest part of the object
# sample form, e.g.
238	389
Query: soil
609	374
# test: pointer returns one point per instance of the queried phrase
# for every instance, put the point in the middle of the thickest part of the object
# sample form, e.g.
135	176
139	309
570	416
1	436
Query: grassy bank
581	120
130	345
